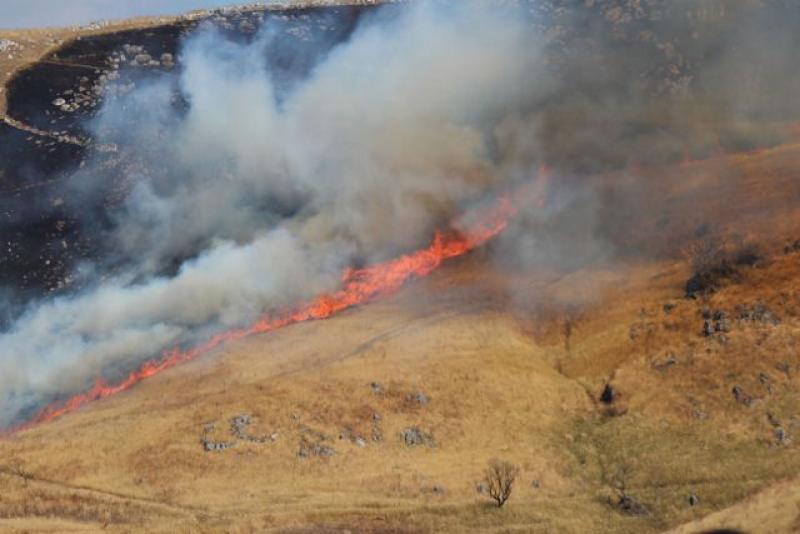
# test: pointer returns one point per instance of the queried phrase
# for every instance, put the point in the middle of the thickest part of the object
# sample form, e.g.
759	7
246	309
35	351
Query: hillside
630	341
485	363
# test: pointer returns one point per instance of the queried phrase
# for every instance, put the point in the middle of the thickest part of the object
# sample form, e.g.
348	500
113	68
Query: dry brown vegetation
499	479
501	376
511	364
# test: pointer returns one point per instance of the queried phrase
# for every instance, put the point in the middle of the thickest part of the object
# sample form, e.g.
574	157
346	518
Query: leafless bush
705	253
499	480
714	259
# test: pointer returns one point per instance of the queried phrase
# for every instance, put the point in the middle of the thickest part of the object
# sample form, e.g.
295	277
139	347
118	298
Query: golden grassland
513	364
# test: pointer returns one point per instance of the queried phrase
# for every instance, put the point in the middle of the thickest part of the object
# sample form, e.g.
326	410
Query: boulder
418	398
414	436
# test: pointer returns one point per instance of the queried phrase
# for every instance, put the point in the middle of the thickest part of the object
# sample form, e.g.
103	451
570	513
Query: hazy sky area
38	13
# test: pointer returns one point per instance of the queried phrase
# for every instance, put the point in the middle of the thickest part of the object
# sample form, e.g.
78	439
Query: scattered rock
413	437
142	59
377	432
216	446
167	60
668	307
418	398
664	363
781	436
308	450
741	396
722	324
630	505
757	313
311	444
377	388
694	500
238	429
210	445
349	435
239	423
779	432
708	329
132	50
7	45
715	321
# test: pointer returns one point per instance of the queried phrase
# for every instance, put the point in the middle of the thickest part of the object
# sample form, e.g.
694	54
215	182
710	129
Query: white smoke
56	346
267	196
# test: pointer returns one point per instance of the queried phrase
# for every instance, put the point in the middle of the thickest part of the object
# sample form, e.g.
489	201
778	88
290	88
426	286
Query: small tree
499	479
714	259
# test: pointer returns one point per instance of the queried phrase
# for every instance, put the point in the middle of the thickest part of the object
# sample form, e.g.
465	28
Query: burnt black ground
44	233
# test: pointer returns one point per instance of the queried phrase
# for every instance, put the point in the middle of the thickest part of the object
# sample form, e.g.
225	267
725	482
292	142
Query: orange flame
358	286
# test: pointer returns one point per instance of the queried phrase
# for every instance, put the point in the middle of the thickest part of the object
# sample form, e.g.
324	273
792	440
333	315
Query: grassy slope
503	381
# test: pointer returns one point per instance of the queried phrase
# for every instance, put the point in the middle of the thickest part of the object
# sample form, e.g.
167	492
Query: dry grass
776	509
505	378
491	392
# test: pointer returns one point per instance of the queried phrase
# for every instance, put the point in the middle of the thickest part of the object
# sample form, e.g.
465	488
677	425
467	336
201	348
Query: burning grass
490	389
494	390
359	286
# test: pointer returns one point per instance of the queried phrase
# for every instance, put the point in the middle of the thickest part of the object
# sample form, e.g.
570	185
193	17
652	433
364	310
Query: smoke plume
256	172
249	193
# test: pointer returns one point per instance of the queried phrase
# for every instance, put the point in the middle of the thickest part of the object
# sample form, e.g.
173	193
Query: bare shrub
705	253
714	259
499	480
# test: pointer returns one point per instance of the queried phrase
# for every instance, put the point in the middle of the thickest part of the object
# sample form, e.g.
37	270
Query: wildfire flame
358	286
